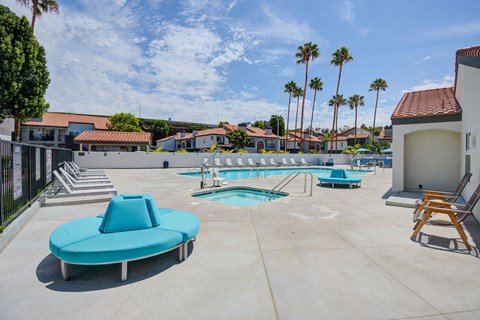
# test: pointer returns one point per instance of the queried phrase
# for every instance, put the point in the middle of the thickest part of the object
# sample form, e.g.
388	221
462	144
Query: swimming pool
240	196
239	174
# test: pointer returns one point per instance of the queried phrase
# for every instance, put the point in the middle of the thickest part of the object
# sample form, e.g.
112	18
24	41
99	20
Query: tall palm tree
316	84
297	93
355	101
309	51
339	58
39	7
289	88
377	85
336	102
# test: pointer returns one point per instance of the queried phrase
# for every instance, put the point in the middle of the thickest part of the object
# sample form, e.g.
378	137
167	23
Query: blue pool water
240	174
240	196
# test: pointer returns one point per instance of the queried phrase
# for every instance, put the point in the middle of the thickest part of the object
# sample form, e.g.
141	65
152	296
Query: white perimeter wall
185	160
435	154
468	95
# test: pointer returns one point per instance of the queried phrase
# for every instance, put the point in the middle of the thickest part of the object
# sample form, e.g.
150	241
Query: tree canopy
24	77
238	138
281	124
262	124
125	122
160	129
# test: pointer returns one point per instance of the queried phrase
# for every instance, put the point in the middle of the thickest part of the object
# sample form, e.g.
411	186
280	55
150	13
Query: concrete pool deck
340	254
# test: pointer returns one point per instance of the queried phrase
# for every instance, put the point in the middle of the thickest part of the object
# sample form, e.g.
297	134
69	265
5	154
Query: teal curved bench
340	176
132	228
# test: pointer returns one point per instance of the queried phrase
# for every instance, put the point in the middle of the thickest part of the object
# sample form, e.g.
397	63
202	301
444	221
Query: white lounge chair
285	163
82	175
68	192
251	163
84	184
76	166
262	162
206	162
228	162
217	162
240	162
304	163
273	163
293	162
79	178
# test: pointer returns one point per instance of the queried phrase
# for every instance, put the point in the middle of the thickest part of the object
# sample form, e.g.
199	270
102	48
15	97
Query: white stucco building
435	132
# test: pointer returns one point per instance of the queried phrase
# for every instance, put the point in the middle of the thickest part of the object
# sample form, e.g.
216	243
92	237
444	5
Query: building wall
341	145
468	95
74	129
169	145
398	145
432	160
6	129
205	142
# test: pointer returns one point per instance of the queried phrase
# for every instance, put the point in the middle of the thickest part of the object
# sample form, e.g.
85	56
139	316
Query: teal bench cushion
120	246
338	173
340	180
184	222
126	215
73	232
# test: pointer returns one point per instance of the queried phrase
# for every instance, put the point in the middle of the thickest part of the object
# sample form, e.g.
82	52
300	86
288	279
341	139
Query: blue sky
210	60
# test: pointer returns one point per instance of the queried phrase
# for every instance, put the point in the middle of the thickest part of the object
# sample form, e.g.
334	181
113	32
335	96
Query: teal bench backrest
338	173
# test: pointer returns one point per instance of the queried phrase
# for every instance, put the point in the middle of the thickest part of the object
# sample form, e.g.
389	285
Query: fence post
1	182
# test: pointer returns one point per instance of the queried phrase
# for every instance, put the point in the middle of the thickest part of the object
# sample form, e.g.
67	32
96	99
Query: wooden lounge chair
454	211
440	195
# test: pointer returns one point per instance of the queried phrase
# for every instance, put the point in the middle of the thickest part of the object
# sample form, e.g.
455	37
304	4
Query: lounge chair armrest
435	191
447	209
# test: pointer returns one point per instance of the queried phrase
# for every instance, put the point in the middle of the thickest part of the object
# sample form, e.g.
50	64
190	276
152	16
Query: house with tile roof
435	132
57	129
310	142
114	141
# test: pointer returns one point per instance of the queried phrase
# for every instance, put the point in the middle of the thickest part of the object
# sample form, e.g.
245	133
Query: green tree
289	88
297	93
309	51
24	77
160	129
221	123
260	124
198	127
39	7
277	120
316	84
355	101
377	85
238	138
125	122
339	58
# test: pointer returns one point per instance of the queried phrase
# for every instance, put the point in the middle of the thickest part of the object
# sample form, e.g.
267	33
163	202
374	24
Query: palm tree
316	84
39	7
297	92
289	88
339	58
336	102
309	51
377	85
355	101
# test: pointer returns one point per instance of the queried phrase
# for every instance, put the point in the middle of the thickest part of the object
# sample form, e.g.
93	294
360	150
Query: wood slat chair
441	196
454	212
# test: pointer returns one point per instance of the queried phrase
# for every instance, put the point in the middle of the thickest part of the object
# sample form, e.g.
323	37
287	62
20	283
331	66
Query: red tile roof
58	119
359	136
427	103
166	138
469	52
113	137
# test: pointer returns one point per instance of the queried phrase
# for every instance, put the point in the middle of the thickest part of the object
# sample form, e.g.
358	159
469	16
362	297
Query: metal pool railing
25	171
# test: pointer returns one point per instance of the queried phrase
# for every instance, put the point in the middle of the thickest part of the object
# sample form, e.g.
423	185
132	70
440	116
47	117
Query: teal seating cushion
180	221
348	180
338	173
126	215
73	232
120	246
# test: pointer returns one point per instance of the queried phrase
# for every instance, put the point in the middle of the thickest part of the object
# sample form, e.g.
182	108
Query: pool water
240	196
252	173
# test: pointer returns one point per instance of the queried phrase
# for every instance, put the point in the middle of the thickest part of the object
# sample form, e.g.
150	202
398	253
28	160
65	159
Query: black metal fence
25	171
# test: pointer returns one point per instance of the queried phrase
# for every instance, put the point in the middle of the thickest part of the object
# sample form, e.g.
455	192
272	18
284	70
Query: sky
212	60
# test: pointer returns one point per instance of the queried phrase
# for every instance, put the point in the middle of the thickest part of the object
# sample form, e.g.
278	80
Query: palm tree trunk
295	134
374	117
335	110
303	104
355	126
313	108
288	119
34	13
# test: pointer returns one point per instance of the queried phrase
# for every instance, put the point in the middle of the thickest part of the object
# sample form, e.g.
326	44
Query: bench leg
63	267
180	253
185	250
124	270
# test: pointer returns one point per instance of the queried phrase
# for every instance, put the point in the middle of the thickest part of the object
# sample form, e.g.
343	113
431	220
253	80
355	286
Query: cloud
427	58
347	14
446	81
458	30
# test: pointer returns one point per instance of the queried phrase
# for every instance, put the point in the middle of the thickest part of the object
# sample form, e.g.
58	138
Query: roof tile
58	119
113	137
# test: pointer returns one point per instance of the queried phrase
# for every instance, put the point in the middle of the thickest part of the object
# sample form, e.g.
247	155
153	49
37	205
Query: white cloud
446	81
347	14
458	30
427	58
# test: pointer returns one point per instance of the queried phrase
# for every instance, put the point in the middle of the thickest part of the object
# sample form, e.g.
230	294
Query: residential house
310	142
340	143
435	132
114	141
57	129
363	136
167	143
386	135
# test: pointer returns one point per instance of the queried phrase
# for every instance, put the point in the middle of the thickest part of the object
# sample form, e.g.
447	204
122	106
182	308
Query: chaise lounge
132	228
340	176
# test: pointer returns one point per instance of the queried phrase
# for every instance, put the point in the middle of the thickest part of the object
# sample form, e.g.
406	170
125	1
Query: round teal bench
132	228
340	176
